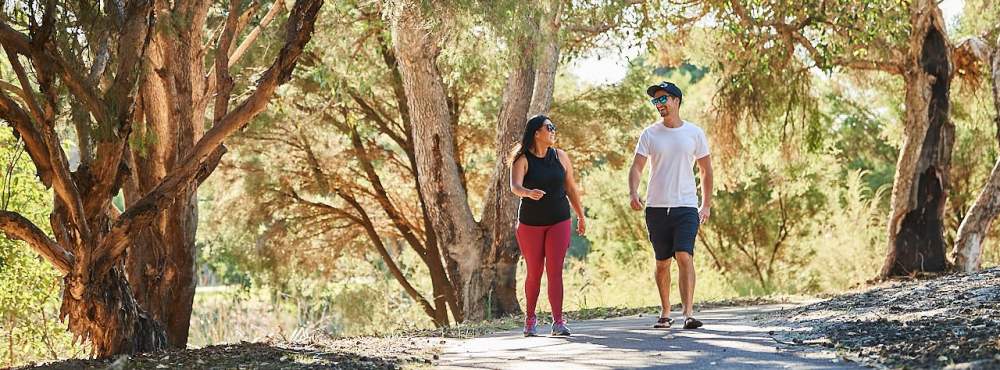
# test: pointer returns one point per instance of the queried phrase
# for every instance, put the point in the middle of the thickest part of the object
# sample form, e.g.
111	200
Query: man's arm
634	176
705	168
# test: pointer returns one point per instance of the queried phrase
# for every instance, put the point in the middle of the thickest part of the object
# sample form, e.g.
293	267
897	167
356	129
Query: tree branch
232	59
378	120
34	144
44	147
18	227
223	81
381	195
382	251
255	32
132	48
21	44
299	29
793	32
34	110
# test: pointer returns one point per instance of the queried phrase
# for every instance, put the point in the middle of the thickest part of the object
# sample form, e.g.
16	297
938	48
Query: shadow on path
729	340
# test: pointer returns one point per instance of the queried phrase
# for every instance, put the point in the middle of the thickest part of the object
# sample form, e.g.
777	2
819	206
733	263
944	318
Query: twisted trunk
916	241
485	253
90	236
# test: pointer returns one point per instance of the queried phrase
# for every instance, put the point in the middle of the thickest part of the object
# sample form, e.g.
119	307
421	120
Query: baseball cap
667	87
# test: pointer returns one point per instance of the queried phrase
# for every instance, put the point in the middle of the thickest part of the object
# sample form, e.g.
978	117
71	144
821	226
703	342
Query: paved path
730	339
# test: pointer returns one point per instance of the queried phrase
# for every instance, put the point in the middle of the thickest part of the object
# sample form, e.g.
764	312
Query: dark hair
528	139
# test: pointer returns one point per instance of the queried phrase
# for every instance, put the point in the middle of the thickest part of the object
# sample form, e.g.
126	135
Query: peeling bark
916	242
90	238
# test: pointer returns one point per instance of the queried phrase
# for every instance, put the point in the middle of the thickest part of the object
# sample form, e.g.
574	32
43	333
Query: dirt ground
342	353
950	321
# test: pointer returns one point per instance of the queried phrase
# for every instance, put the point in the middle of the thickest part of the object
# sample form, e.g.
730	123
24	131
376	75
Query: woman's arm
573	192
517	171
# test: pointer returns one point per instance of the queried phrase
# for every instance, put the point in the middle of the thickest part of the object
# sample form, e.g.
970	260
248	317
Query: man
673	215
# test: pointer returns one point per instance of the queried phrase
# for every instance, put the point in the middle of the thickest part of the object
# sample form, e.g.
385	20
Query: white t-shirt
671	153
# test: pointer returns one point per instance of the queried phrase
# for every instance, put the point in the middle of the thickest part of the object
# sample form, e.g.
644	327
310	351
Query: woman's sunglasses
550	127
660	101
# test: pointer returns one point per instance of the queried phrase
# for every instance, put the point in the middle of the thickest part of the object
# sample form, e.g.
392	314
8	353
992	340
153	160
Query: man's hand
535	194
636	202
581	226
704	213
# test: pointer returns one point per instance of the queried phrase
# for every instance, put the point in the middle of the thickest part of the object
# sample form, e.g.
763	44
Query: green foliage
848	238
757	225
772	51
30	288
854	135
980	18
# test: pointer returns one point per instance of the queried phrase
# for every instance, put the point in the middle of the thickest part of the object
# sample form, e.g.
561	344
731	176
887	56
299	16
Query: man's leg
661	237
685	272
687	230
663	285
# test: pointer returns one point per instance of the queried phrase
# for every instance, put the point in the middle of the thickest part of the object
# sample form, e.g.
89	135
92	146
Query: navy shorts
672	230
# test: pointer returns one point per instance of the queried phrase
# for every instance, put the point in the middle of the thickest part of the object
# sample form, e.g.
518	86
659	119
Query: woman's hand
535	194
581	226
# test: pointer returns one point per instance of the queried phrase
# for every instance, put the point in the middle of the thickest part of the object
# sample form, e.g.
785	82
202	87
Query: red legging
544	247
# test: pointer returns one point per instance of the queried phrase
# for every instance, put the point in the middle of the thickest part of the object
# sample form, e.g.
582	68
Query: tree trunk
161	268
509	129
916	241
438	175
500	215
111	319
90	237
968	250
548	62
160	264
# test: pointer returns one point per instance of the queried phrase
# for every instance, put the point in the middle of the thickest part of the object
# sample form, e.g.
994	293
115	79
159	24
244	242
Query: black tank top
548	175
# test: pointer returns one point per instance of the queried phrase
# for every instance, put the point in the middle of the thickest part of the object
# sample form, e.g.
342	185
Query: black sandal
663	323
692	323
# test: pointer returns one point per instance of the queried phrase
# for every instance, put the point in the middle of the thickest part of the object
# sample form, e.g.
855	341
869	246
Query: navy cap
667	87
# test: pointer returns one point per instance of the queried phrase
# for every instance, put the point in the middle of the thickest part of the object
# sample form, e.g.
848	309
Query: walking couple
543	177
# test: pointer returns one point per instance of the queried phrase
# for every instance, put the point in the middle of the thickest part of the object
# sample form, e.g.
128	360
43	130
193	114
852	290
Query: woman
543	177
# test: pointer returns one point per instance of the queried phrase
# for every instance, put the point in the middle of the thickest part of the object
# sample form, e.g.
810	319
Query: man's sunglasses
550	127
660	101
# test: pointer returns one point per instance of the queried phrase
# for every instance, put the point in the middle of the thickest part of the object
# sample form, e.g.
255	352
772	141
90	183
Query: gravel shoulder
949	321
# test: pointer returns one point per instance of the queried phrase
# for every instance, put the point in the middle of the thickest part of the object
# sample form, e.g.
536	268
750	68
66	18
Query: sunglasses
661	100
550	127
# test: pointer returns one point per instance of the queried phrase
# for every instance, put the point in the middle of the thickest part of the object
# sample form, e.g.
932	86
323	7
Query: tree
473	247
145	72
350	166
767	73
967	252
916	234
483	254
762	218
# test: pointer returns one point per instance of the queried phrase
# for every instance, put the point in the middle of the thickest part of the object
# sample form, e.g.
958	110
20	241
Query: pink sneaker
529	327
